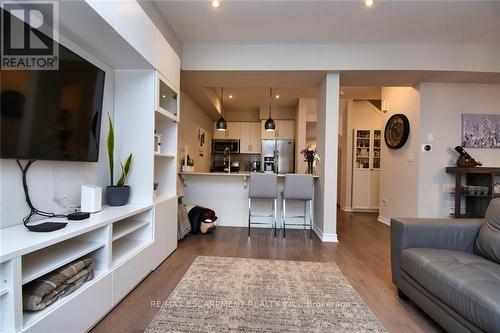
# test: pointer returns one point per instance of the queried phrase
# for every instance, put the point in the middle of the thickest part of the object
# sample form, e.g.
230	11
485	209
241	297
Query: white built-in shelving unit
366	169
126	242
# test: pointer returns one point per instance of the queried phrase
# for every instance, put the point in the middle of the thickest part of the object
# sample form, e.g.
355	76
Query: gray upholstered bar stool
298	187
262	186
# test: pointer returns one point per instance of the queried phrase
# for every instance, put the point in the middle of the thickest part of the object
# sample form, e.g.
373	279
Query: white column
325	210
300	135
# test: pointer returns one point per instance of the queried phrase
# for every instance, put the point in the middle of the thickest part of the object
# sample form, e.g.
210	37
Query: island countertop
232	174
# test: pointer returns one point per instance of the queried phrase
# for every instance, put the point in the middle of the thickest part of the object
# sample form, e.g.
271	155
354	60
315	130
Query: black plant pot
117	195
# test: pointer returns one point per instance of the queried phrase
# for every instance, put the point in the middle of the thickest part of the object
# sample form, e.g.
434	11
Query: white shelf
50	258
4	291
165	155
166	115
124	248
18	240
123	228
162	198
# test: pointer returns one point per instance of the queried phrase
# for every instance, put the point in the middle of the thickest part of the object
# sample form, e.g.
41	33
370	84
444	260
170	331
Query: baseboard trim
347	209
365	210
326	238
384	220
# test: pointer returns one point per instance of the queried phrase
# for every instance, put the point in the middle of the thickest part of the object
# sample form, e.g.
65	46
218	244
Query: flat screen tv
52	114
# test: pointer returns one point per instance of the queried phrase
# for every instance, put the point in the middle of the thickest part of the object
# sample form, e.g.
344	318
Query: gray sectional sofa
450	268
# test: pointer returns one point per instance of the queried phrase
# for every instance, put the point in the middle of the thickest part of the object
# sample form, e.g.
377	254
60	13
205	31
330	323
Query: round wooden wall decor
397	131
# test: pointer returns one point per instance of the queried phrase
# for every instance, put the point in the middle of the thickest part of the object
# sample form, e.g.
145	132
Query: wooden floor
362	254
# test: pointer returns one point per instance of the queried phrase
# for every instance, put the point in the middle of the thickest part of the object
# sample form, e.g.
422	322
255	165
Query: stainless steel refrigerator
278	156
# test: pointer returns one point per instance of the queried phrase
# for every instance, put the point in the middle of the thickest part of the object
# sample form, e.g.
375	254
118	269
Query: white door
255	143
361	189
374	189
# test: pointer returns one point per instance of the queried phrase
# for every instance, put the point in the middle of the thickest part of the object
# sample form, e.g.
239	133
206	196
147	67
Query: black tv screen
52	114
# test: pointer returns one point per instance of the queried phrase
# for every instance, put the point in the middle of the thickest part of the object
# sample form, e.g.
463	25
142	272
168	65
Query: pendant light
221	124
270	126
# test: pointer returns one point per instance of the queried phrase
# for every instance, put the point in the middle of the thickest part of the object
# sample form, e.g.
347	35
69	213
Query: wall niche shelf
468	205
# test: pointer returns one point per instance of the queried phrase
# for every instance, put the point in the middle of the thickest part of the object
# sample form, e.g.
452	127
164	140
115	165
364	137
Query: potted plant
310	155
117	195
187	164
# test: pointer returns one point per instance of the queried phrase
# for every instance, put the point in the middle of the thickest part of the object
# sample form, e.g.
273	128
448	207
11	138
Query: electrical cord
33	210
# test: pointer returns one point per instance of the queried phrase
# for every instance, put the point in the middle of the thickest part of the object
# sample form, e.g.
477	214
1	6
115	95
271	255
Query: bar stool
262	187
298	187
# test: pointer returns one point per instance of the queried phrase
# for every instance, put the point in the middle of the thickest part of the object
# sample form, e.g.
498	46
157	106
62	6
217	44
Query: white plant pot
186	168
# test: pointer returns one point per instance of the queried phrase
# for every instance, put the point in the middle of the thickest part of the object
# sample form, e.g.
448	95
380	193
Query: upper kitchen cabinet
232	132
285	129
250	138
169	63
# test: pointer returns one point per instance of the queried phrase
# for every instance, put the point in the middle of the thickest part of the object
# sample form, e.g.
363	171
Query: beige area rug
220	294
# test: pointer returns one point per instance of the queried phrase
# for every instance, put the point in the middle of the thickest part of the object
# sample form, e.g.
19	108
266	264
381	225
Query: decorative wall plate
397	131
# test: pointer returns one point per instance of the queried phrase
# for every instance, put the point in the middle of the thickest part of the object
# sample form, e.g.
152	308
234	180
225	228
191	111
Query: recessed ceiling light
368	3
341	93
230	96
277	96
216	4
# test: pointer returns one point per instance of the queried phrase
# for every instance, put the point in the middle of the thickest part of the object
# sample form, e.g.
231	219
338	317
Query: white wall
442	105
192	118
55	186
399	173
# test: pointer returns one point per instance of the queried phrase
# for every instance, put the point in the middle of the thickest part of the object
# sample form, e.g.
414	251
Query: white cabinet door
138	30
169	63
255	143
246	138
361	189
285	129
374	189
233	131
165	231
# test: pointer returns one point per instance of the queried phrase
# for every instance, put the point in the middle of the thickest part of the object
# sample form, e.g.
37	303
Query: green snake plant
110	143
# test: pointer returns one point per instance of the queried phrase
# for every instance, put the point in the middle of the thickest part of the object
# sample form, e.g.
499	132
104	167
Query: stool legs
283	207
249	214
310	219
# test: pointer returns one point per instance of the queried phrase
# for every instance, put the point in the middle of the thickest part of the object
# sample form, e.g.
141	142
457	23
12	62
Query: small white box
91	198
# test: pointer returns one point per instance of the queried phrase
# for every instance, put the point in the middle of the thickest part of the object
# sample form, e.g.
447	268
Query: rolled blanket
47	289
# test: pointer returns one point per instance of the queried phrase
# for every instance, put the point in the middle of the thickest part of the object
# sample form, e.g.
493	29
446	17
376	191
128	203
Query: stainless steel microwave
219	146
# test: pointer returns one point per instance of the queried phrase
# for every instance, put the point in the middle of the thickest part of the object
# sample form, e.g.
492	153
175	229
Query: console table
475	205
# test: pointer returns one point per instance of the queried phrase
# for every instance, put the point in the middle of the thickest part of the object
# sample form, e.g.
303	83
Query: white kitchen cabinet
138	30
169	63
366	169
285	129
232	132
250	138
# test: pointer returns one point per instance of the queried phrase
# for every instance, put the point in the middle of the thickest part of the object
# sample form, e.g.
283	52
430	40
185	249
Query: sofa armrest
450	234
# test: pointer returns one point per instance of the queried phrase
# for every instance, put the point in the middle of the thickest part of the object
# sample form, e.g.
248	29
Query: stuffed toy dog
202	219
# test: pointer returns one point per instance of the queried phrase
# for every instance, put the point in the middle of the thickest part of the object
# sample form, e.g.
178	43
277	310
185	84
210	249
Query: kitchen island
227	195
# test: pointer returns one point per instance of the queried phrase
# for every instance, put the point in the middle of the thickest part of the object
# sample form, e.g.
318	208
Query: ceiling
344	21
248	98
250	89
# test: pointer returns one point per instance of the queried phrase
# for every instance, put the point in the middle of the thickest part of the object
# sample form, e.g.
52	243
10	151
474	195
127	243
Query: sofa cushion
467	283
488	239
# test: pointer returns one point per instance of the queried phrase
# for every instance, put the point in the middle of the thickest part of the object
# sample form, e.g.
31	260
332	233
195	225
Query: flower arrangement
310	155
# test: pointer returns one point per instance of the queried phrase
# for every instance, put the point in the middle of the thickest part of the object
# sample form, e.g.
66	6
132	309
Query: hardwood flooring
362	254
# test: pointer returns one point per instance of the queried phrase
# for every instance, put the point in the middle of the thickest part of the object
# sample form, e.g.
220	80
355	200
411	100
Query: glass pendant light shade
221	124
270	125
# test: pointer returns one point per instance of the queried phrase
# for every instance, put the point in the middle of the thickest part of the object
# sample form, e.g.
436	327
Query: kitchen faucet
227	151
